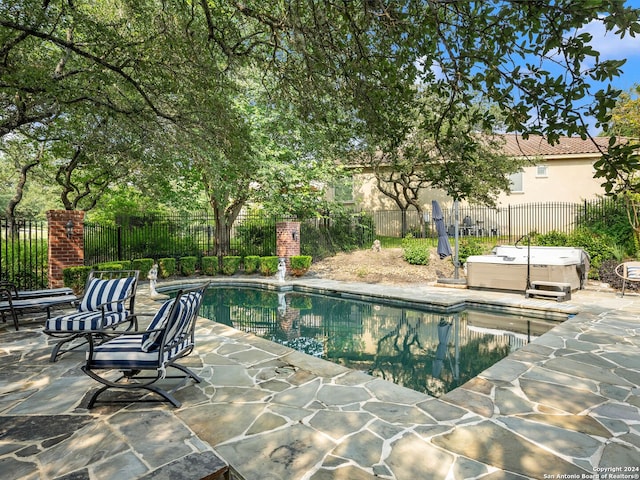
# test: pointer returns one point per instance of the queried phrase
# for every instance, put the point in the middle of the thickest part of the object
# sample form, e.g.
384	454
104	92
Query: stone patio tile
472	401
564	442
60	395
126	466
339	424
411	457
299	396
285	454
348	472
388	391
217	423
544	374
507	370
363	448
251	357
157	436
507	402
506	450
399	414
338	395
560	397
442	411
76	452
231	375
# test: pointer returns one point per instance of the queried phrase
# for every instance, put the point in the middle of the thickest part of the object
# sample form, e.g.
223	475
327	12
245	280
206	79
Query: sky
611	47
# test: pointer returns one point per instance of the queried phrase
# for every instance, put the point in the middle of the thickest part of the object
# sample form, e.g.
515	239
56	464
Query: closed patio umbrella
444	248
444	328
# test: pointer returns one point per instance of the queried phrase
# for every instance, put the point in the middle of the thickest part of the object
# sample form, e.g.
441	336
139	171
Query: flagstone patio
567	403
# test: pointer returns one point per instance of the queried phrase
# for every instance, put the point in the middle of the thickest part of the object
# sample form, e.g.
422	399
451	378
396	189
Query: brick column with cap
66	243
287	240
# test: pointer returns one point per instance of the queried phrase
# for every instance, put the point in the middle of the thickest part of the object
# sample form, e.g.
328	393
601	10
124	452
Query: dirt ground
386	266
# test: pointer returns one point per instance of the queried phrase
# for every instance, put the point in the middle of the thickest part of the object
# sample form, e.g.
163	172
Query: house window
343	192
542	171
516	182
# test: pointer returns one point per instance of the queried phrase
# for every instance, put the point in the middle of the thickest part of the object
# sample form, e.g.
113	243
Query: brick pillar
64	251
287	240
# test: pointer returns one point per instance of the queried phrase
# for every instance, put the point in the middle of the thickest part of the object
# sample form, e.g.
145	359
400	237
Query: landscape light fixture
69	228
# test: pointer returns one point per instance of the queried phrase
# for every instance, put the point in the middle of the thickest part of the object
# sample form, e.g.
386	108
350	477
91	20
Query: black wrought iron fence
509	223
23	253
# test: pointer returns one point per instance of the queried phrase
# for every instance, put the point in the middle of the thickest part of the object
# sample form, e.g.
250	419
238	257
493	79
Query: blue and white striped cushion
125	352
186	310
633	273
101	291
84	321
151	340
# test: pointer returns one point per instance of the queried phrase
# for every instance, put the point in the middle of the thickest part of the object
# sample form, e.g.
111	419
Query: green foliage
166	267
608	218
142	264
415	251
188	265
17	258
469	246
76	278
596	245
251	263
209	265
551	239
340	231
231	264
269	265
300	264
256	237
117	265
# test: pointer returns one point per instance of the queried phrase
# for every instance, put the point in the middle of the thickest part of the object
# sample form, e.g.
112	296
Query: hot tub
506	267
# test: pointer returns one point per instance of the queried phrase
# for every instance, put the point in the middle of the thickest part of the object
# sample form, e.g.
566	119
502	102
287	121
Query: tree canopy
175	72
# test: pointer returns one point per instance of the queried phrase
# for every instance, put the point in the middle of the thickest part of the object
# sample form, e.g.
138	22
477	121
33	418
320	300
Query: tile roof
537	145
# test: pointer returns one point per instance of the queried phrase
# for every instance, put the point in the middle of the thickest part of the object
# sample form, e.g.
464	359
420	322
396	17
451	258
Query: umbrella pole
456	218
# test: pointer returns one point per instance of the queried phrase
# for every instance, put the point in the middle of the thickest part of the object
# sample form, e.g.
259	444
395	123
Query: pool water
427	351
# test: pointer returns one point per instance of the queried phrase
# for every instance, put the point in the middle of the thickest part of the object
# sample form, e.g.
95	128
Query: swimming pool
427	350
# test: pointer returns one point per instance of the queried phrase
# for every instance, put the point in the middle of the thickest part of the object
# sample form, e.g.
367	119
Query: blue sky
611	46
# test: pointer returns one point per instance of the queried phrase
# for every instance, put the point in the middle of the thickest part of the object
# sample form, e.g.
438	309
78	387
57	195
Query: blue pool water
428	351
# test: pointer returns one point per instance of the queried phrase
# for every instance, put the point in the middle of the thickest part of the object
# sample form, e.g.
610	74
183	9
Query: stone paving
565	406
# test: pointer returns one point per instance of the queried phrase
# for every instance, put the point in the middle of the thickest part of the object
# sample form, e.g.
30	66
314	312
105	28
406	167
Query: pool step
558	290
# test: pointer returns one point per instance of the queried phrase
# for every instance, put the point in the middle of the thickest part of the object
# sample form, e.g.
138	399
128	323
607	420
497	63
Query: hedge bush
209	265
269	265
188	265
300	264
119	265
231	264
142	264
166	267
251	263
76	278
416	252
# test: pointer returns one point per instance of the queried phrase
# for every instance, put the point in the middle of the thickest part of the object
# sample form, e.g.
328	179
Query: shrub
416	252
468	247
188	265
210	265
251	263
142	264
552	239
231	264
300	264
597	246
166	267
119	265
269	265
75	278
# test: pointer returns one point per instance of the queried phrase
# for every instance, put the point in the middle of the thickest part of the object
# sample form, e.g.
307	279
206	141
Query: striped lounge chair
169	337
108	303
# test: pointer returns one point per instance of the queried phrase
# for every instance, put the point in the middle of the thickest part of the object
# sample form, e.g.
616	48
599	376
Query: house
557	175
